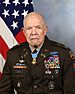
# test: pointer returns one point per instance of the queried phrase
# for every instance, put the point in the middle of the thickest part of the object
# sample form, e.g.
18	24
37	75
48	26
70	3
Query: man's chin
33	44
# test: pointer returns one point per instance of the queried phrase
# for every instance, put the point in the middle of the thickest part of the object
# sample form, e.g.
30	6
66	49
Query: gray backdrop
60	17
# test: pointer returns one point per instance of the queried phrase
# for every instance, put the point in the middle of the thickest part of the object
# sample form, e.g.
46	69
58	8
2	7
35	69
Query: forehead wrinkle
33	15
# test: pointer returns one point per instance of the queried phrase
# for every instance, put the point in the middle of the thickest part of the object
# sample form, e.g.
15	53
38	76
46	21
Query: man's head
35	28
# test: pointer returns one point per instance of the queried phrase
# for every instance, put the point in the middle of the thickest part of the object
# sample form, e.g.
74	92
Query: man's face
35	30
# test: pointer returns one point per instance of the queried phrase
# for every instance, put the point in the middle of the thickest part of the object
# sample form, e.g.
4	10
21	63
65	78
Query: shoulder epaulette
60	45
16	46
63	46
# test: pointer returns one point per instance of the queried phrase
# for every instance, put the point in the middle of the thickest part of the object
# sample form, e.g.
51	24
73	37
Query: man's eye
38	27
28	28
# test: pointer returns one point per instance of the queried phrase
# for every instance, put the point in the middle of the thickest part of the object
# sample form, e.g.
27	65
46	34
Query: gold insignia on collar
43	55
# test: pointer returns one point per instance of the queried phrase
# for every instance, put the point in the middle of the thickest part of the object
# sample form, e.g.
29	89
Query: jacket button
35	86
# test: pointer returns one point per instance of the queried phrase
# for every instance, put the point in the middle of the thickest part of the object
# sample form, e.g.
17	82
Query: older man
38	66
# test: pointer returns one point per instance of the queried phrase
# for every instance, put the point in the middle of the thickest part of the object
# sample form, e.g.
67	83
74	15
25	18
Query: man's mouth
34	38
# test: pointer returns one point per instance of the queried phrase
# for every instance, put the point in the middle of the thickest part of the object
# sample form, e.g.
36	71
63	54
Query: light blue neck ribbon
34	55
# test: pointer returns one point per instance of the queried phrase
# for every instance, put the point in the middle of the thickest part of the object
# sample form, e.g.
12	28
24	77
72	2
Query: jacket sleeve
6	86
68	77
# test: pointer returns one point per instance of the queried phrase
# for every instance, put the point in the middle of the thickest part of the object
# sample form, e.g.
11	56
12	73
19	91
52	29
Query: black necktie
35	51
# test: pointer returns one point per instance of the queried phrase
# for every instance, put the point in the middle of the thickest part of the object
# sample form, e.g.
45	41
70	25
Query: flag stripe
11	24
6	34
2	62
20	37
4	48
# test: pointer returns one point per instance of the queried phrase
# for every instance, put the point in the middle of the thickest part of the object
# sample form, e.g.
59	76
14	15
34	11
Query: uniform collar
38	49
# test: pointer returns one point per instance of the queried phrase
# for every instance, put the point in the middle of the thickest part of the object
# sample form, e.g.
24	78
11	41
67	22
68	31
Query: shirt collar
38	49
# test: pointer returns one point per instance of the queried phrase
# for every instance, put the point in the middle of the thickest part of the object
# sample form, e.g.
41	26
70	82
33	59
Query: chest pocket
21	77
53	79
52	66
18	76
53	74
19	73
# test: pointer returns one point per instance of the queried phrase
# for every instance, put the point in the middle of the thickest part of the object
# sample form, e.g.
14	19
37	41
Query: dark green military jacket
51	74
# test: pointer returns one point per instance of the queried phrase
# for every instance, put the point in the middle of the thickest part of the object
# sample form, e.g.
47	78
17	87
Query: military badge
20	64
19	84
34	56
34	61
51	85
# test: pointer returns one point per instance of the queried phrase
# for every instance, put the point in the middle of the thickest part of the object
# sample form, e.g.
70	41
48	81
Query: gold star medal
34	56
34	61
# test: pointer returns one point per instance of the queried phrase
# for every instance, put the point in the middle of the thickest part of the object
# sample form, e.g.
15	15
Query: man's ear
46	29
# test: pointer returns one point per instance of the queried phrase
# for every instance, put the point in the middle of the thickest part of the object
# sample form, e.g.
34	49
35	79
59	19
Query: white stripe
2	63
6	34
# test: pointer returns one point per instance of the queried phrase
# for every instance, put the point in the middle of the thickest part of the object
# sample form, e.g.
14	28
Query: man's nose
33	30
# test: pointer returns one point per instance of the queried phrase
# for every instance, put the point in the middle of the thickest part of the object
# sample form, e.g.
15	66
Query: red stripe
3	48
20	37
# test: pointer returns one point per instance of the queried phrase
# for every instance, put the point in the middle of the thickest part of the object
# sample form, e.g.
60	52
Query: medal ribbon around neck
34	56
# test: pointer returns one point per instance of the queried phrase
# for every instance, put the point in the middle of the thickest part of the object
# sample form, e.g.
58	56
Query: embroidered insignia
51	85
20	64
22	61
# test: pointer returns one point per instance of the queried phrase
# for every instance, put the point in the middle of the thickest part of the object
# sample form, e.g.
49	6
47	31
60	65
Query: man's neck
35	47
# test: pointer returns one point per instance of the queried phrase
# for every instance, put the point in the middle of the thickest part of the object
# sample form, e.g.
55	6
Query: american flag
12	13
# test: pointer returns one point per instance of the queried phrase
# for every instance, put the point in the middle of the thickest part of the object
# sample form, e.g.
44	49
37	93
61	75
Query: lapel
26	54
44	51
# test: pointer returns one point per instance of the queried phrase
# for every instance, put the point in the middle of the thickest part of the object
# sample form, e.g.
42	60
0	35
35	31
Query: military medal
34	56
52	62
34	61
